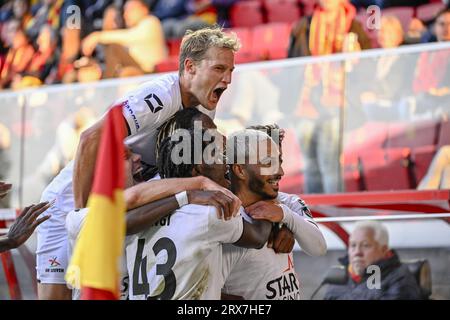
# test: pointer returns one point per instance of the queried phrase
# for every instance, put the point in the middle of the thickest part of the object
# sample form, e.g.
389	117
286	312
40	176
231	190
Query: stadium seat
444	133
387	169
412	135
372	135
271	41
170	64
404	14
174	47
421	270
246	14
427	12
353	179
421	158
245	53
282	10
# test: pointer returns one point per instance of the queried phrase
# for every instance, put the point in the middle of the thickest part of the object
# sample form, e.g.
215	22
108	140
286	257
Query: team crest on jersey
153	102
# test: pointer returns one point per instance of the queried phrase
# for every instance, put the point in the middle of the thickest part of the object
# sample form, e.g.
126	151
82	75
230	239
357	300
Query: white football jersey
180	256
263	274
146	109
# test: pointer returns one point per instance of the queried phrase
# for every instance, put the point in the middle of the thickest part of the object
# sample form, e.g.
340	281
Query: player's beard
256	185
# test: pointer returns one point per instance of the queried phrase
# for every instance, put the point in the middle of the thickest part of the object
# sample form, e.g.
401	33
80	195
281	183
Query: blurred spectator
43	62
438	174
141	45
177	16
369	246
392	75
88	70
18	58
21	11
112	18
47	12
416	31
331	29
391	32
442	26
387	3
431	84
325	32
223	11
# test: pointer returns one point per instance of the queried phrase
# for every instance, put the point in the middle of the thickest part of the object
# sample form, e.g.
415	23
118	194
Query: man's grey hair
243	145
381	234
195	43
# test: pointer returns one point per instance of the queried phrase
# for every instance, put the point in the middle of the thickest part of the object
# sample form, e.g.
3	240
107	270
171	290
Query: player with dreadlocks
192	236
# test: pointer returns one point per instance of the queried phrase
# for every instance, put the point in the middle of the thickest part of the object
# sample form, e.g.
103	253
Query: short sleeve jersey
146	109
180	256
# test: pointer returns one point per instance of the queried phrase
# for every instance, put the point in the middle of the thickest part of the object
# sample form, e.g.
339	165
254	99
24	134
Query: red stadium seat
282	10
246	14
174	47
412	135
353	181
271	41
170	64
427	12
387	170
245	53
422	158
444	133
404	14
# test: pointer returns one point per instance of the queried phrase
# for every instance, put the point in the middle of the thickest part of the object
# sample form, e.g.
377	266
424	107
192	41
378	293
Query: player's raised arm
84	165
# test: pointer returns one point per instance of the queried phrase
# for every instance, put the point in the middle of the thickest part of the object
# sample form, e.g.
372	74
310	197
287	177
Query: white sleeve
149	106
298	219
224	231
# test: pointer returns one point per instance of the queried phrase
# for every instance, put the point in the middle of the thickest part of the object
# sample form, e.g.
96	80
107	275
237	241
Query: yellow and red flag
95	264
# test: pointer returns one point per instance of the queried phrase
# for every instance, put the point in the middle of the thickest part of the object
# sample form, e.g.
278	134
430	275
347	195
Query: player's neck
187	98
247	197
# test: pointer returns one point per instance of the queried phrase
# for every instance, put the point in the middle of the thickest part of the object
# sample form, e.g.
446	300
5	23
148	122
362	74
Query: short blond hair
195	43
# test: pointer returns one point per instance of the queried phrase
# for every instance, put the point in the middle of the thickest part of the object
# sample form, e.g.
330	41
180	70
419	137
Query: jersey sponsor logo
54	265
285	287
132	114
153	102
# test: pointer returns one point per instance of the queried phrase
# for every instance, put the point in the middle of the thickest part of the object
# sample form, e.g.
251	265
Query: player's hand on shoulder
218	199
208	184
265	210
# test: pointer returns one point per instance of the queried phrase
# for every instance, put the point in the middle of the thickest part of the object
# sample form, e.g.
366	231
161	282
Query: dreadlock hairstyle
272	130
166	167
183	119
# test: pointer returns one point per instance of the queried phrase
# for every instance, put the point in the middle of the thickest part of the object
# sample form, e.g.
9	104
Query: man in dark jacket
374	271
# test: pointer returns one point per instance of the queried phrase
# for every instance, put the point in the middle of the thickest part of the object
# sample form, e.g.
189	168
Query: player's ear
239	171
189	66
